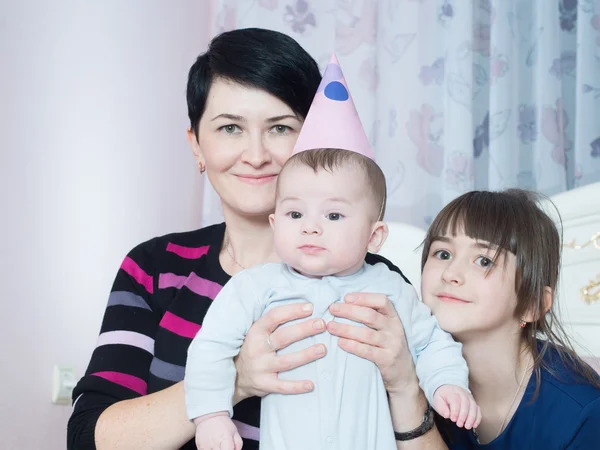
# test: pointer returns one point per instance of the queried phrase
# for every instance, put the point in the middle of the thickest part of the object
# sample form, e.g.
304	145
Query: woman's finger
282	314
357	313
282	337
378	302
296	359
361	334
290	387
373	354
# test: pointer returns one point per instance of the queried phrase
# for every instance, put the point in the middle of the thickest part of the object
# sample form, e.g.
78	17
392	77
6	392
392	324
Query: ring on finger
269	343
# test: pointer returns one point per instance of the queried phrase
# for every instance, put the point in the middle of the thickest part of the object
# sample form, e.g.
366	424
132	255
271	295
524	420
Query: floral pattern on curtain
455	95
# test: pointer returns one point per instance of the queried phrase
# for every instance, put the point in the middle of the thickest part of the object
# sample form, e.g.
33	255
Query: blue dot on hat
336	91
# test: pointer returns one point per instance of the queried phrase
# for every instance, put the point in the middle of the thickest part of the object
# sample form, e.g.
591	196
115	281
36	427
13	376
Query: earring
201	167
522	323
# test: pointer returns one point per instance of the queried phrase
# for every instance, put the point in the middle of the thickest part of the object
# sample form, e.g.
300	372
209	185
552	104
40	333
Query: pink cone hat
332	121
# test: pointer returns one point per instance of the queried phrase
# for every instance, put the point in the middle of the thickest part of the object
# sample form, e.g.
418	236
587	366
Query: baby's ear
272	220
378	237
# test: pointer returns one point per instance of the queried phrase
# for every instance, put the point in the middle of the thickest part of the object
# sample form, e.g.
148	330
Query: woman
247	98
490	269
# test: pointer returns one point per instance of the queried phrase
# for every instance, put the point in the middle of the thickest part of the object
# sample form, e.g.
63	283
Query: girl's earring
522	323
201	167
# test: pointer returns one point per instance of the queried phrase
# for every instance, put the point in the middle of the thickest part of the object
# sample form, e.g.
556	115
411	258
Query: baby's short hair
331	159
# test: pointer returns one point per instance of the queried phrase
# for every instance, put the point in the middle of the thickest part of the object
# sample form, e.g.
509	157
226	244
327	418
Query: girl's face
467	292
244	138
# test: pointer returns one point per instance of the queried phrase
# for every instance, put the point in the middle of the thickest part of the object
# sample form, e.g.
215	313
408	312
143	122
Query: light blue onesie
348	409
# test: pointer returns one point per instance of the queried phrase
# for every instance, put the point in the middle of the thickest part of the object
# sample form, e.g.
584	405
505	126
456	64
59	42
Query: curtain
454	95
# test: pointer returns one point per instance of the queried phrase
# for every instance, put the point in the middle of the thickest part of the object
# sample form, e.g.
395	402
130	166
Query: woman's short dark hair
257	58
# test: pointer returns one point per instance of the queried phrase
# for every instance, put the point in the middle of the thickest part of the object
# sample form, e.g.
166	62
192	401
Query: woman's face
468	293
244	138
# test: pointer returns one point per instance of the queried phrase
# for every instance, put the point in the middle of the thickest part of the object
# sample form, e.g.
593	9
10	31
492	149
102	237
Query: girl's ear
378	236
547	301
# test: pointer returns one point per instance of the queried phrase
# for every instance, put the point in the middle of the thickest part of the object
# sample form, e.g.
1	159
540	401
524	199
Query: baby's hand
217	432
457	404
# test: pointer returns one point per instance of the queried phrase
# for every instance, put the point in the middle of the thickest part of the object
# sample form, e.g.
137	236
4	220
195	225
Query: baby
329	206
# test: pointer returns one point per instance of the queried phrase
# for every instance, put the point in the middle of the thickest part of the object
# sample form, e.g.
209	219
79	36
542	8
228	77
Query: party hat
332	121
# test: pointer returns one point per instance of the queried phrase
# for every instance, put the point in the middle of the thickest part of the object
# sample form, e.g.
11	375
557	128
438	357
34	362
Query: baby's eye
442	254
484	261
295	215
334	216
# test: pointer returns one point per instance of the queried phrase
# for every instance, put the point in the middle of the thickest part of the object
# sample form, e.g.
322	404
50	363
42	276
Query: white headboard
580	213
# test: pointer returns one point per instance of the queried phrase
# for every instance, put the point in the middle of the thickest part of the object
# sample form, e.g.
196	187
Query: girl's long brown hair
514	221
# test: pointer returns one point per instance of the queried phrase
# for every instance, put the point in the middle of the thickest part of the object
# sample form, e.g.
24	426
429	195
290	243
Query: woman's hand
257	364
382	341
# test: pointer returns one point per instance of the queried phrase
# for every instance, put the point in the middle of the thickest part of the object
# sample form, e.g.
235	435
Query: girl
490	268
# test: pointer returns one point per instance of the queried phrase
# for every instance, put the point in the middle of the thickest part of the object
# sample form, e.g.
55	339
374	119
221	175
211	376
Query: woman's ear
195	145
378	236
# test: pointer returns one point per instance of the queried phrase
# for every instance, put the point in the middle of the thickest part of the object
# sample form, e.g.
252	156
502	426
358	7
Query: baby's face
323	222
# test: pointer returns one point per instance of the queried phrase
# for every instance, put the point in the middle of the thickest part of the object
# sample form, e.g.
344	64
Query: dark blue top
564	415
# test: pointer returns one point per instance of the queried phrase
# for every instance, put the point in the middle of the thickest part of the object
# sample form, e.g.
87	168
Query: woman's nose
256	153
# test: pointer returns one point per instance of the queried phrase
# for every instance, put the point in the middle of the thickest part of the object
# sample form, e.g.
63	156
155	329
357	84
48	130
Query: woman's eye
230	129
281	129
295	215
442	254
484	261
334	216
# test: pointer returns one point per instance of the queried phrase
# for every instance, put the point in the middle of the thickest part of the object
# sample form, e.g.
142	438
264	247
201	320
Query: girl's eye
484	261
230	129
280	129
442	254
334	216
295	215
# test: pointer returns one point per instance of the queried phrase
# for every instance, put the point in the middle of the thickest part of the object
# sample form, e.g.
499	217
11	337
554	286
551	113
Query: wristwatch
420	430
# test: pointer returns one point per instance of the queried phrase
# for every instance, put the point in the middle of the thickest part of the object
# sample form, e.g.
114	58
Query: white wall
93	160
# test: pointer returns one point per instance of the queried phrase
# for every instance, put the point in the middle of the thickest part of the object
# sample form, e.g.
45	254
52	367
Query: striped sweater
156	306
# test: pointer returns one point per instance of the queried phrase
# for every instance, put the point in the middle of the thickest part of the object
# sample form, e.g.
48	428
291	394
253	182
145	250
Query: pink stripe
129	381
204	287
247	431
168	280
131	267
193	282
188	252
179	326
127	338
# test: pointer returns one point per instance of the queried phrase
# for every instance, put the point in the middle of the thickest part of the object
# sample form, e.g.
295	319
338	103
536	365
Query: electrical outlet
63	383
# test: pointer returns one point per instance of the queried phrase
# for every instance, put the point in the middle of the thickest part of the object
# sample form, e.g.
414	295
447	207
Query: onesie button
326	375
329	440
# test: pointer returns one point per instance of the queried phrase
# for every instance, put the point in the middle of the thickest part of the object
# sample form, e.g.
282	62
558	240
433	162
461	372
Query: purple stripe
193	282
247	431
125	298
127	338
188	252
204	287
167	371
